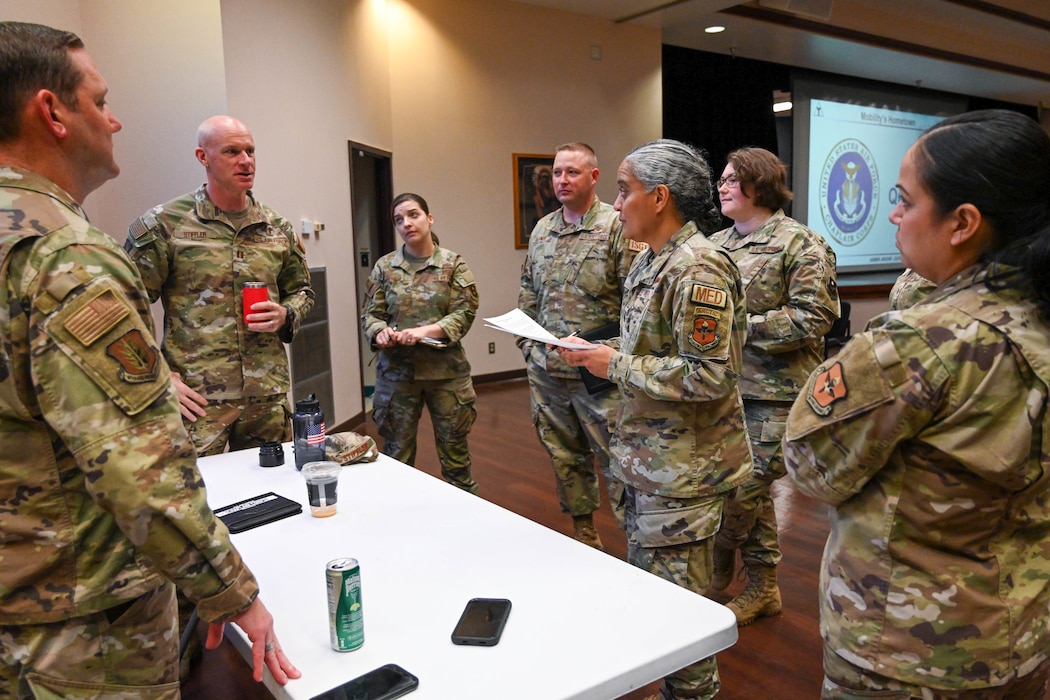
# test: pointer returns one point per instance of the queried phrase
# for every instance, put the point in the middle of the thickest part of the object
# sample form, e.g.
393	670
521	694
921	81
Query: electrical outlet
492	348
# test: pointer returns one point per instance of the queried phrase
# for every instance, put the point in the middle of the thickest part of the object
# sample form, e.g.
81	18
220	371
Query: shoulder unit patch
705	335
828	387
136	357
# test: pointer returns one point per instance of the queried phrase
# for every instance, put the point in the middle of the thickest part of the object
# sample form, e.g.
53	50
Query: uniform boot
723	574
583	531
761	596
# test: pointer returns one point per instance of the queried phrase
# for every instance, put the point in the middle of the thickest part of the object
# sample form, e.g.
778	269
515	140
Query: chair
839	333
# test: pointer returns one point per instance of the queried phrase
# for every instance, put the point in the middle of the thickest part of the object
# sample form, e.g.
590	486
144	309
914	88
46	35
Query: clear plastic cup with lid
322	478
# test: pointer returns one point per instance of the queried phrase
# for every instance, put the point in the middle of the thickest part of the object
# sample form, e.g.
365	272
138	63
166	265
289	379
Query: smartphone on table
383	683
482	622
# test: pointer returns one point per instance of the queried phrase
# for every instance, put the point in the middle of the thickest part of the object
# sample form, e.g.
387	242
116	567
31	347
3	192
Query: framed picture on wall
533	194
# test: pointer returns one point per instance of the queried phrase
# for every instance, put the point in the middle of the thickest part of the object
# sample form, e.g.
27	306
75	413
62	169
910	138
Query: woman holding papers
422	300
679	444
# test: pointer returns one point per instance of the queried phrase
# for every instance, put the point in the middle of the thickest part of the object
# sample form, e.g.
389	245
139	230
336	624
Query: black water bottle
308	431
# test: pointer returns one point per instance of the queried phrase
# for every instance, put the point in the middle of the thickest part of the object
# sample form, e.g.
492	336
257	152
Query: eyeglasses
729	181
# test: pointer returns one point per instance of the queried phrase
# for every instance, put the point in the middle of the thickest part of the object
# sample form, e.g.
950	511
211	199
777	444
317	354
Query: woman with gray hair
679	444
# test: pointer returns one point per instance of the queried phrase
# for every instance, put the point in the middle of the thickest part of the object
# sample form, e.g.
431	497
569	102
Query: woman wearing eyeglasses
788	272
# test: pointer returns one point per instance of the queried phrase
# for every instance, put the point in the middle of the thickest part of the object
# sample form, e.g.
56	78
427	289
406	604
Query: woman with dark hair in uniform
930	437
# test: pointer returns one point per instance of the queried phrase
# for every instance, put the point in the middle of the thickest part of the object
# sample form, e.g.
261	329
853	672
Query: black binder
593	384
253	512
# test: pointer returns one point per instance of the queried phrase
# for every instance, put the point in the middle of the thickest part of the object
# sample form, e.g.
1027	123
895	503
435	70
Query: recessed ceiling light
715	29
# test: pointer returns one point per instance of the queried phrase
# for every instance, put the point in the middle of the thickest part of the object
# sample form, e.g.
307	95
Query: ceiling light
714	29
781	106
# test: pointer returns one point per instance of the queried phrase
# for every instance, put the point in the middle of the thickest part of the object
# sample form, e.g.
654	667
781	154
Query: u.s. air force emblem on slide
849	192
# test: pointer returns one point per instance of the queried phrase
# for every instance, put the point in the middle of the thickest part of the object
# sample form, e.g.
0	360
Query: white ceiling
997	49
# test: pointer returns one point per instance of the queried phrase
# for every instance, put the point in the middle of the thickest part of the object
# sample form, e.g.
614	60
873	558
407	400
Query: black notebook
256	511
593	384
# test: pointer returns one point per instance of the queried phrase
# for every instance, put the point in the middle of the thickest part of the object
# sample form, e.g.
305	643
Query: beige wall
163	63
475	82
308	77
451	87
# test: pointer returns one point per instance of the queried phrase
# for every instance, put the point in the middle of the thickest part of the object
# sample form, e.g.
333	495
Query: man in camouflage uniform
680	445
572	282
103	506
196	253
788	271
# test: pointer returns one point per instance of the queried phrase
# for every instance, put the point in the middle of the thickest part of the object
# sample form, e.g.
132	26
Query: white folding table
583	624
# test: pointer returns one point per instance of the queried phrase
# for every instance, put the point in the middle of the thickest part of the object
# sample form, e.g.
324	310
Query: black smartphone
482	621
383	683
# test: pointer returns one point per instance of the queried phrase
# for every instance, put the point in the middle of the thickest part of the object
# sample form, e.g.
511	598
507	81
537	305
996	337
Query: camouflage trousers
684	557
130	652
575	427
242	424
397	407
844	681
750	520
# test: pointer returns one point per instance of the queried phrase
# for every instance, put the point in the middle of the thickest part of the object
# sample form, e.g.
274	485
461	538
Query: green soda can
346	625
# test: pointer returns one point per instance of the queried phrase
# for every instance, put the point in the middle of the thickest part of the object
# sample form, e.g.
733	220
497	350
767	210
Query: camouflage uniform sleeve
149	247
909	289
528	300
811	307
293	281
857	408
626	251
104	387
702	312
463	302
375	316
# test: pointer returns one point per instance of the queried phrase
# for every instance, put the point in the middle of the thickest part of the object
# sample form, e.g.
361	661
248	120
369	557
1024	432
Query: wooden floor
777	657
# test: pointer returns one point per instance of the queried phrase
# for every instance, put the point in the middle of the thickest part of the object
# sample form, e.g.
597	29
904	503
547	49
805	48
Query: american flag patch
315	434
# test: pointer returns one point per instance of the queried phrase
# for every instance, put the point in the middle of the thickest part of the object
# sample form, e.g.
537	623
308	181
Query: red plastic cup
252	293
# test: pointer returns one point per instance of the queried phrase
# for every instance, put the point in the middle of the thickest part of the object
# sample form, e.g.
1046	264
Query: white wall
451	87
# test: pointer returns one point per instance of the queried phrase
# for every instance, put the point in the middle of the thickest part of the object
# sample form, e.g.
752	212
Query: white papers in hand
517	322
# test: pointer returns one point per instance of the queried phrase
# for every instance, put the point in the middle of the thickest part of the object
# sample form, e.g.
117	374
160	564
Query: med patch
706	295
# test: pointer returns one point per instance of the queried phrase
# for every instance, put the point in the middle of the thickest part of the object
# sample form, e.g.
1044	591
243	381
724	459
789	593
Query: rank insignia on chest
705	331
828	387
136	357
